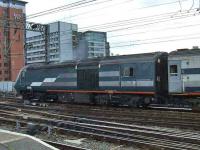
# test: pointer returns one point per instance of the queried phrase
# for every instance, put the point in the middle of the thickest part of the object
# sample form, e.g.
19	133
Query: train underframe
91	98
115	99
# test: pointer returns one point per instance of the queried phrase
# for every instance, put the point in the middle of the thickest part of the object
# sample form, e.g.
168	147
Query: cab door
174	74
88	79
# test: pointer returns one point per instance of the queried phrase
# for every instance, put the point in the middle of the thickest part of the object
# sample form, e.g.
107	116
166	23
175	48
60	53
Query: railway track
153	137
187	120
108	109
154	143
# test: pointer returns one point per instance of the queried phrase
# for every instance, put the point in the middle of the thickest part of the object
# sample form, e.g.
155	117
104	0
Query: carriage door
174	74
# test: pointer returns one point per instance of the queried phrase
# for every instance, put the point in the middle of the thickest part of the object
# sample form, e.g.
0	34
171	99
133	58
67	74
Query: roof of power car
96	61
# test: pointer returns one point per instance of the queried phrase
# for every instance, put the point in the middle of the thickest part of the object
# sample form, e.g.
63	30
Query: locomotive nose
20	80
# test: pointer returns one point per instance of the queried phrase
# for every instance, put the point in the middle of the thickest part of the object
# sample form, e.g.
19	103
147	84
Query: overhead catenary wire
104	2
112	5
138	20
158	38
128	22
192	13
153	42
149	42
152	23
96	9
162	29
132	20
56	8
122	35
135	33
191	25
125	22
61	8
168	17
122	28
186	36
67	7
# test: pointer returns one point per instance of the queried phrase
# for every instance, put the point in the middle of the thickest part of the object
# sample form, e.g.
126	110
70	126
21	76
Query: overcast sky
146	32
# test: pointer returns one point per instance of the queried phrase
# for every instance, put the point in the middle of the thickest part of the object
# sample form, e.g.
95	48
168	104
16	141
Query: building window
91	54
91	49
128	72
173	70
91	44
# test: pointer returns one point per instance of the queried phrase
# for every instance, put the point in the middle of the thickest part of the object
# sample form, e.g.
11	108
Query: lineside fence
7	89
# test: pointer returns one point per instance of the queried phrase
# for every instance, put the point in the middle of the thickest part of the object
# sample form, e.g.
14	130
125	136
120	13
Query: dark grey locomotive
126	80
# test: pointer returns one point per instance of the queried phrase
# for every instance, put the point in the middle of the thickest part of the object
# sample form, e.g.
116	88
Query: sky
140	25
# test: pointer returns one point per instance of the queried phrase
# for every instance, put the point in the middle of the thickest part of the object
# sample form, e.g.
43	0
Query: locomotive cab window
173	70
23	74
128	72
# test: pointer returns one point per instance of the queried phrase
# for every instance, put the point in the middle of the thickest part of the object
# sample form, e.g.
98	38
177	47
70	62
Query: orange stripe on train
102	92
187	94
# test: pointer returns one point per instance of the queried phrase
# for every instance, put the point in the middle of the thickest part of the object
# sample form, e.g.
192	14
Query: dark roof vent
195	47
183	49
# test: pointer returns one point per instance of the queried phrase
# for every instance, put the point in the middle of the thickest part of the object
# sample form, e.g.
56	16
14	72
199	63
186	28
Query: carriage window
131	72
128	72
173	70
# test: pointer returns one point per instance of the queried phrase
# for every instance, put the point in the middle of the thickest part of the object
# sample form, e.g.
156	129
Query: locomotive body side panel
141	78
109	77
54	78
41	79
137	73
